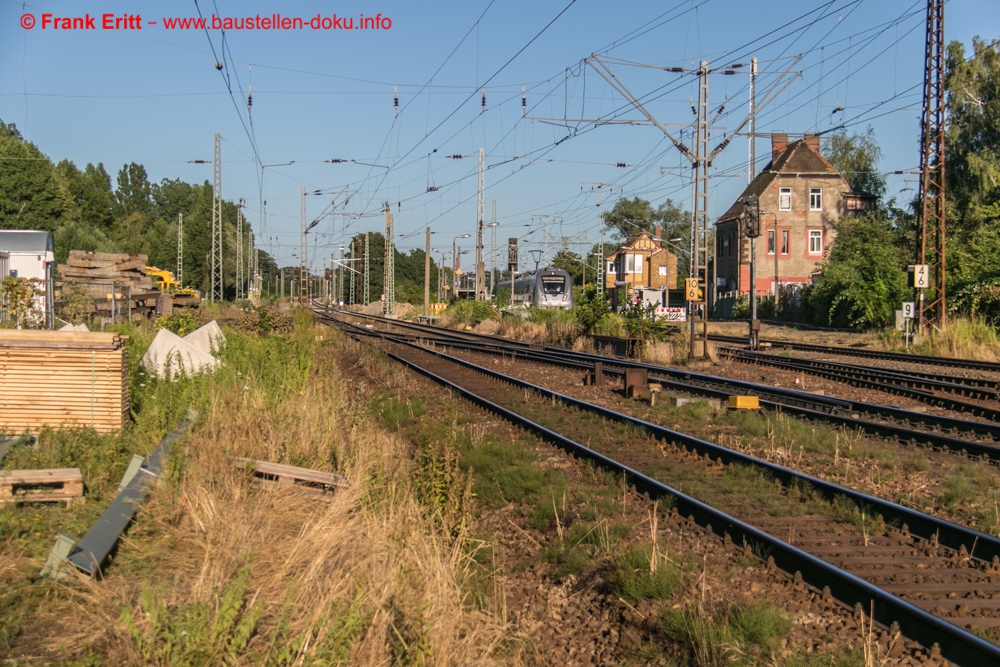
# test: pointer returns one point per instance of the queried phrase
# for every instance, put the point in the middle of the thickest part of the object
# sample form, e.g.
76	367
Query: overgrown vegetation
722	634
220	570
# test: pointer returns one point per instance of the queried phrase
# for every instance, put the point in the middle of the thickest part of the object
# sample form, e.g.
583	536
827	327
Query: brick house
800	195
642	261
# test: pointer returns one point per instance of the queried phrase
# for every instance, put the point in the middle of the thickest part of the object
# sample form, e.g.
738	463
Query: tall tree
864	279
973	137
29	193
856	157
134	193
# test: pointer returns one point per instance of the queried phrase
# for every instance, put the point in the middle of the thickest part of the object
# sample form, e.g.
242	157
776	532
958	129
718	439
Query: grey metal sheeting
96	546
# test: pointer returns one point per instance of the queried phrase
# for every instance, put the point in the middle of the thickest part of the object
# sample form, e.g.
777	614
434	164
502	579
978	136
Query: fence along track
892	555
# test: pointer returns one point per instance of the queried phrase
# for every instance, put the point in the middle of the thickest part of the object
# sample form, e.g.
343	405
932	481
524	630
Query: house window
633	264
784	242
770	242
815	199
815	241
725	245
785	199
612	268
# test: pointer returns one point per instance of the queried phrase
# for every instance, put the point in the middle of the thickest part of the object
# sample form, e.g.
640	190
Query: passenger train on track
544	288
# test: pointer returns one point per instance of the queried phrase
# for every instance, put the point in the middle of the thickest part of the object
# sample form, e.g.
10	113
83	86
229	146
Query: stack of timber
117	284
105	269
62	379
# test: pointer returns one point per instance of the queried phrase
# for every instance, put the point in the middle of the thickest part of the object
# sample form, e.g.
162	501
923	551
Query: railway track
903	384
905	426
929	577
948	362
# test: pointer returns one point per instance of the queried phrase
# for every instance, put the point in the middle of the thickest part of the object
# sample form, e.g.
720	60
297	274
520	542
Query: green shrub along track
903	566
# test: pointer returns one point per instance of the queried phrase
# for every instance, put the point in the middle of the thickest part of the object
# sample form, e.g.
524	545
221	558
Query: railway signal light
751	216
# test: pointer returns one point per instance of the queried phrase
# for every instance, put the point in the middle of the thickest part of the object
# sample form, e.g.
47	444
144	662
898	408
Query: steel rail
886	386
950	362
903	434
948	383
956	644
786	398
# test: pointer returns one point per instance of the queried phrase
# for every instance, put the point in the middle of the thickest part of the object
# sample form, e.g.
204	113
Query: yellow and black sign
691	291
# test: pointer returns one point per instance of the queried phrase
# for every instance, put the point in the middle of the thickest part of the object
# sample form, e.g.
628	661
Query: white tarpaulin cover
207	338
170	355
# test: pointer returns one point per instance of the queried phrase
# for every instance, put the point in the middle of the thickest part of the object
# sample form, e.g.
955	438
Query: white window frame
613	268
815	241
634	264
815	199
786	242
784	199
771	242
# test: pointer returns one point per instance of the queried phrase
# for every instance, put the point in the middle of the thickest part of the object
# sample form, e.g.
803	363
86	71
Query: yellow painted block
744	402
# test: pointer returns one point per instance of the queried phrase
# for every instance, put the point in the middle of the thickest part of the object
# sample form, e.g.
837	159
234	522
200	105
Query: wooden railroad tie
46	485
286	475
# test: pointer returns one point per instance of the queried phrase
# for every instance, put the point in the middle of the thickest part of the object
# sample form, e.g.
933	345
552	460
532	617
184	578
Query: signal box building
642	262
800	195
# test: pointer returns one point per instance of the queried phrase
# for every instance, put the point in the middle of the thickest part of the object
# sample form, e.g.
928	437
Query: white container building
31	254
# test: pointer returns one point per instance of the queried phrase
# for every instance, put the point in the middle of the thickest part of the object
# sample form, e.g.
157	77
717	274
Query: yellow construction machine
164	281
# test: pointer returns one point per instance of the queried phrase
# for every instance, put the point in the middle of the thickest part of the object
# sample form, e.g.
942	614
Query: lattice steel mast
215	280
931	241
389	283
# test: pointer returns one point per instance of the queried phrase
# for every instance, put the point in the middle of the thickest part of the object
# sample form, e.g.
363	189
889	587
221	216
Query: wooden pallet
286	475
37	486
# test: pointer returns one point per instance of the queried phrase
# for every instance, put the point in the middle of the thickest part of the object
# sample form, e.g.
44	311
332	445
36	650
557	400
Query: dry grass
964	339
220	570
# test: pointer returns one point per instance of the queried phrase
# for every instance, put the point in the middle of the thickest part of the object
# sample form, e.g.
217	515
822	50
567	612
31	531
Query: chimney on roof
812	141
779	142
656	232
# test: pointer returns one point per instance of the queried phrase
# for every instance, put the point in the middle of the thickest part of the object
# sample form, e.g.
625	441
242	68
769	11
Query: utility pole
353	258
751	125
389	283
480	221
700	160
366	293
239	251
303	251
215	281
180	249
493	251
600	234
340	279
427	275
699	223
931	243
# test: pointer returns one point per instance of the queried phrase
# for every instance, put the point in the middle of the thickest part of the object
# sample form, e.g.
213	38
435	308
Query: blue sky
154	96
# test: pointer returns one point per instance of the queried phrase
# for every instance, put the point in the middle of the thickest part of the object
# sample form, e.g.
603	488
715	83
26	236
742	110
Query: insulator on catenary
395	99
484	100
524	102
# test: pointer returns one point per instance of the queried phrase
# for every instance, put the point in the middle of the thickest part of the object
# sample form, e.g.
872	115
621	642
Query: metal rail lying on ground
90	554
956	644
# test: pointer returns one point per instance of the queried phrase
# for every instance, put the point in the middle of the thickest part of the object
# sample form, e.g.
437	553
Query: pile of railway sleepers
105	268
116	283
62	379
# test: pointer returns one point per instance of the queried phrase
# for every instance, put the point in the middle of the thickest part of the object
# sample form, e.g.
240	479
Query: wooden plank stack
62	378
46	485
83	266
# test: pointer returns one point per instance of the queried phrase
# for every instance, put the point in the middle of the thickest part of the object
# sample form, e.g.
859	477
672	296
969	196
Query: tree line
84	212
